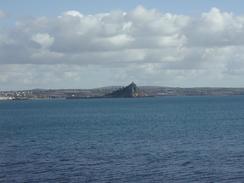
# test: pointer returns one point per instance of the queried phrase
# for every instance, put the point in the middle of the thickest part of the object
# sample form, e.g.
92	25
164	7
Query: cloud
44	40
157	46
2	14
73	13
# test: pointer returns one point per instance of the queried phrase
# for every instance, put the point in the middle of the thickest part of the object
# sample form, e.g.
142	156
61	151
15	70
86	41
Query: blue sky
20	8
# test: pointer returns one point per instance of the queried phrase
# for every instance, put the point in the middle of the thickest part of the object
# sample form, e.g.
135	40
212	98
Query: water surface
162	139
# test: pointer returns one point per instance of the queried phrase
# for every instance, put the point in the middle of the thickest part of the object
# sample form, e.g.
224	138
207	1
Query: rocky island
129	91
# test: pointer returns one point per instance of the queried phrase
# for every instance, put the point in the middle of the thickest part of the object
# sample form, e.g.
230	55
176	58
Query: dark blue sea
162	139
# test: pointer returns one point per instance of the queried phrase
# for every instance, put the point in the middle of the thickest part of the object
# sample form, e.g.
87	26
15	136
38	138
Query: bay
161	139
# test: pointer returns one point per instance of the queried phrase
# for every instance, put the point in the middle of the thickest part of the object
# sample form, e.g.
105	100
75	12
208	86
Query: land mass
130	91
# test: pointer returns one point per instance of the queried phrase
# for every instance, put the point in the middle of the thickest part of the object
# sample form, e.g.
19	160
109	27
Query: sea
145	140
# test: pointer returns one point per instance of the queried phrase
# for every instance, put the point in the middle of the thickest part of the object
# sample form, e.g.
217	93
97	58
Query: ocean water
162	139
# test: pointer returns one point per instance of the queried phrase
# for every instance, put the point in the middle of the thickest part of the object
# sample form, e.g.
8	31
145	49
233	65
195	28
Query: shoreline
90	98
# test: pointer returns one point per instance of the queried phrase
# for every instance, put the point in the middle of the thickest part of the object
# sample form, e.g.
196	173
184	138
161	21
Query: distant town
129	91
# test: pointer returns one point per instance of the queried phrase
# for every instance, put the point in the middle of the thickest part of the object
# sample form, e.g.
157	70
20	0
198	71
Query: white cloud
44	39
2	14
144	45
73	13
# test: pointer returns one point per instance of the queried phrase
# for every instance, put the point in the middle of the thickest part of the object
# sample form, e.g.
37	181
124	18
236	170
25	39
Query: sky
95	43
